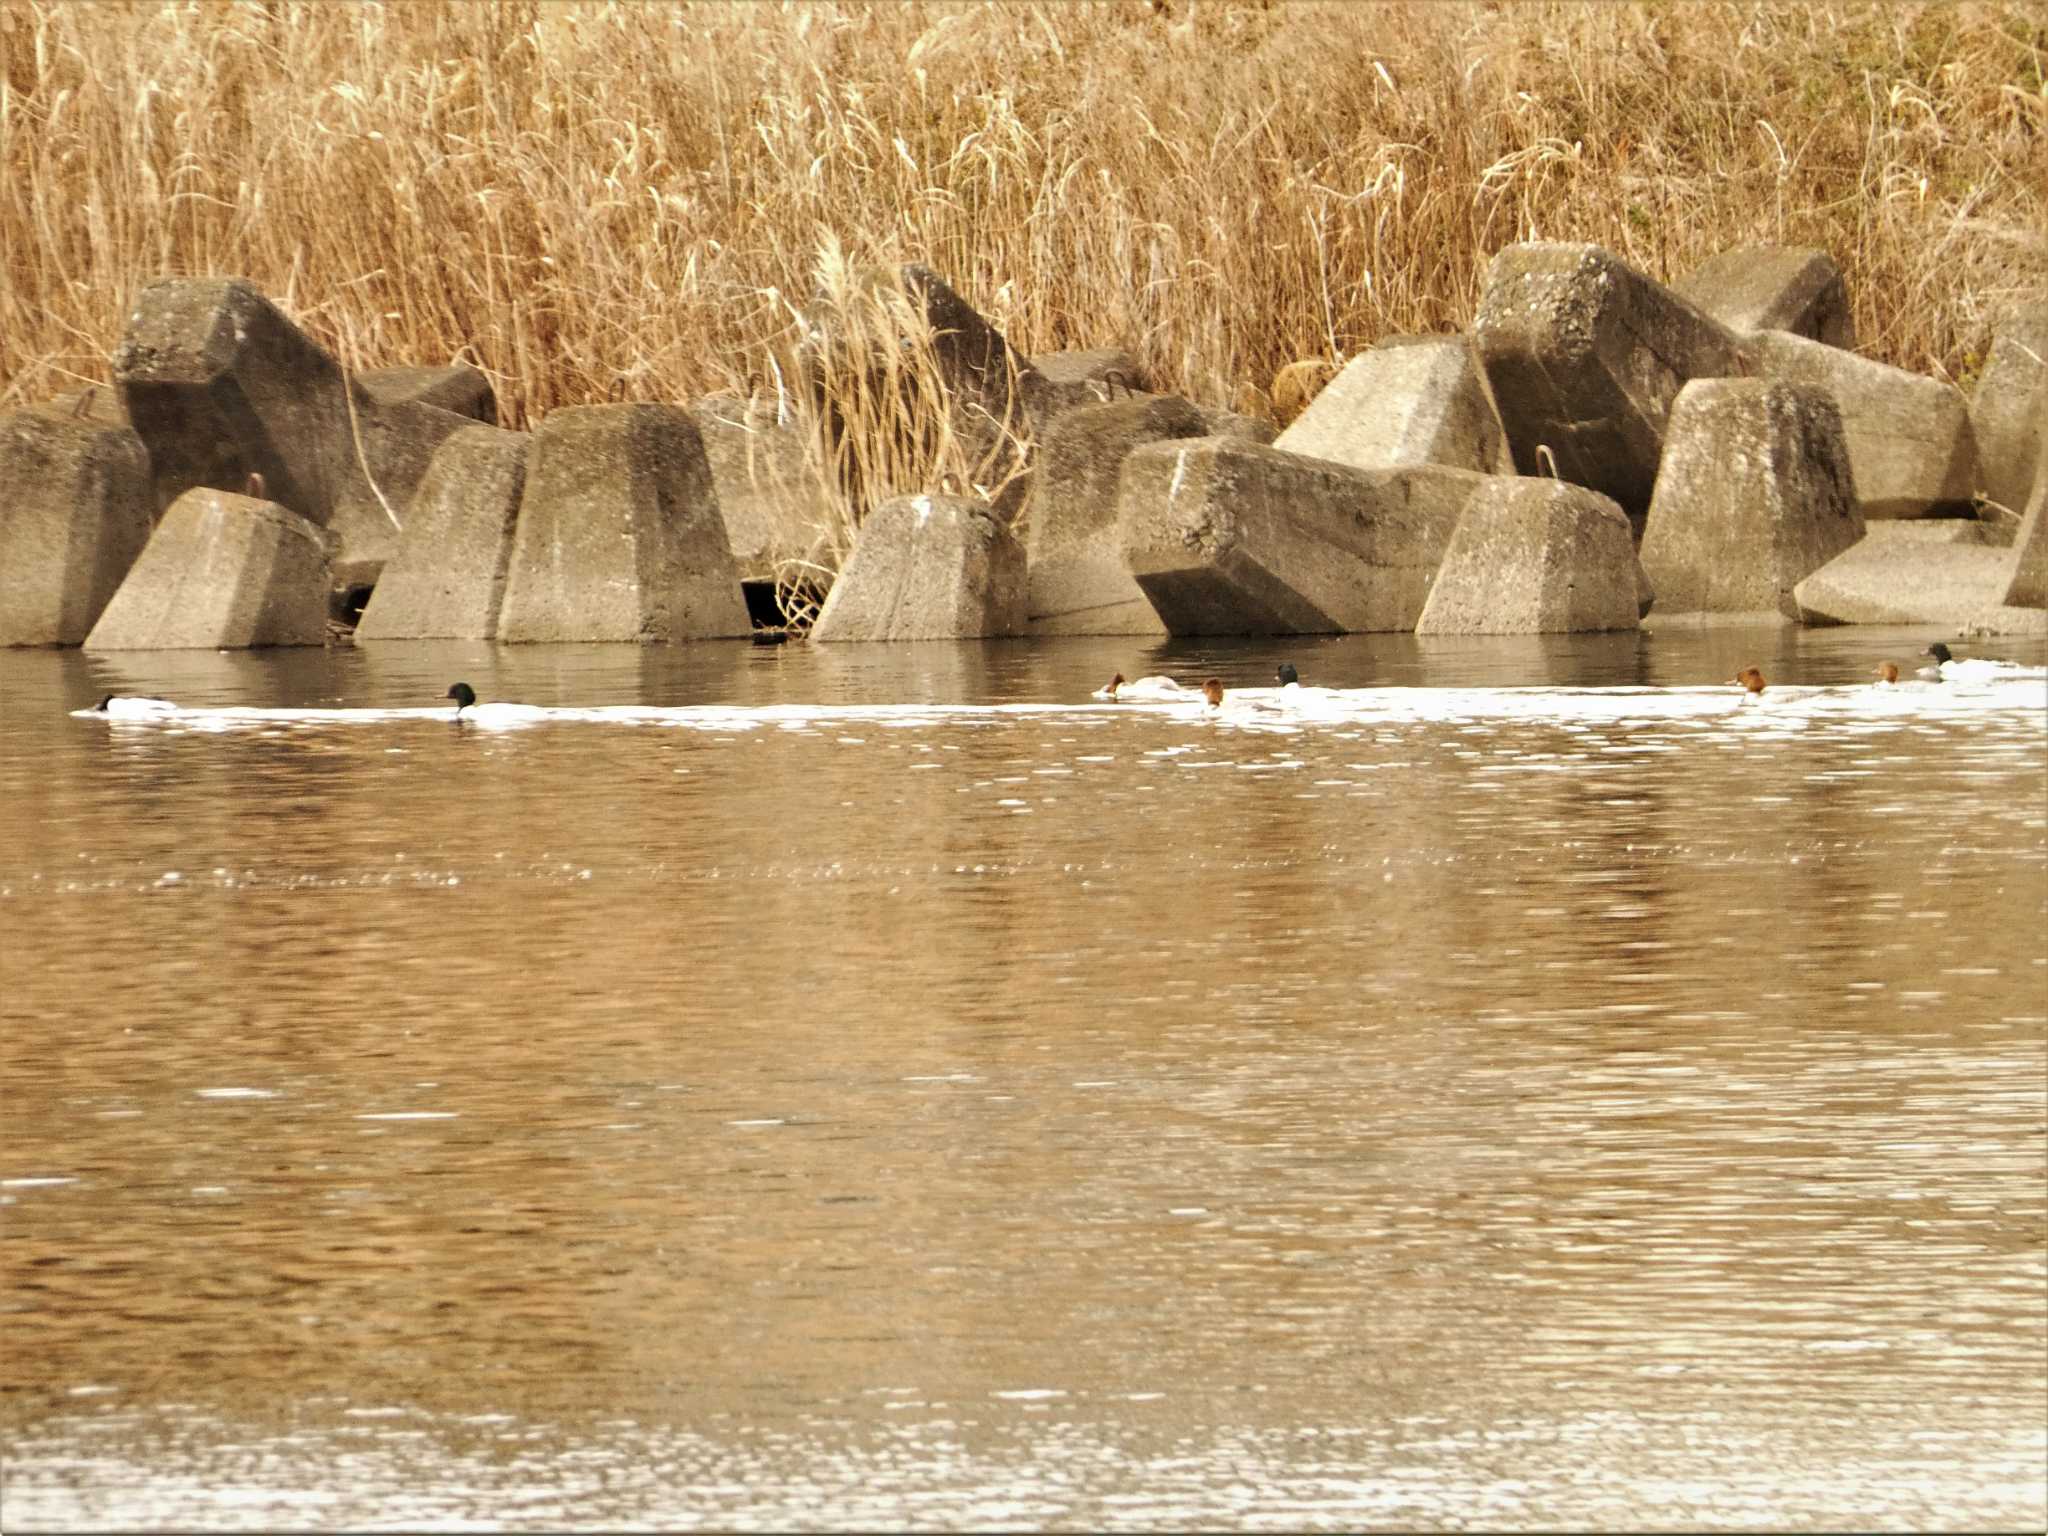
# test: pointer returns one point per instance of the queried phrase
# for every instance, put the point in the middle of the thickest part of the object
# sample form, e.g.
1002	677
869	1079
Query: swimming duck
1289	678
1212	690
1752	681
1887	673
129	706
1156	687
1949	668
463	695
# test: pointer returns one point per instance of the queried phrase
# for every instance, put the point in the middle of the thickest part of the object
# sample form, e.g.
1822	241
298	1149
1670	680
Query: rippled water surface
1524	1087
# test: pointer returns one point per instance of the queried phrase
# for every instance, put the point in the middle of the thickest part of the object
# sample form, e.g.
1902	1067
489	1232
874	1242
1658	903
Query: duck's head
1212	690
1750	678
1887	671
1287	674
1115	682
105	700
462	694
1939	651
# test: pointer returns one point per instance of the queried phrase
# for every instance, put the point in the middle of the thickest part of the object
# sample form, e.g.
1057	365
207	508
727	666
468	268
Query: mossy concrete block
1233	538
1585	355
928	568
620	536
1079	584
1755	494
773	506
1908	573
1536	556
456	387
219	384
76	506
2028	587
222	572
446	580
1774	288
2009	409
1910	444
1410	400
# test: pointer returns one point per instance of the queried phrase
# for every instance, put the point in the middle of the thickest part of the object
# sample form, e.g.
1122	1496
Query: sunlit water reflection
1524	1086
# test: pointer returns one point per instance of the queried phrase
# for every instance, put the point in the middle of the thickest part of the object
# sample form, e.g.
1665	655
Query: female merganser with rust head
463	695
1212	690
1108	690
1887	673
1289	678
1751	680
1154	688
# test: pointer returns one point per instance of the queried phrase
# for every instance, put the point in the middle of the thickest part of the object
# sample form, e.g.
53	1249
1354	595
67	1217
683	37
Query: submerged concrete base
928	568
1536	557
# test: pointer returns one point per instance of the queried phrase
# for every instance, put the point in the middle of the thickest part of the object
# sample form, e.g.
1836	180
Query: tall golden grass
595	199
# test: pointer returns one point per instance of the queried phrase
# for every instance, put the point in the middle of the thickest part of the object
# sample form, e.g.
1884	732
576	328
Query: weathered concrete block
928	568
1238	429
75	511
1065	381
1535	556
773	506
98	404
1231	538
1910	444
2028	587
619	534
218	383
1410	400
447	577
1774	288
2009	409
1585	355
1908	573
1079	584
222	572
457	387
1754	495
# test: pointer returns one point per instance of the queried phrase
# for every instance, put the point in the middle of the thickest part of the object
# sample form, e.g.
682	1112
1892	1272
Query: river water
1527	1087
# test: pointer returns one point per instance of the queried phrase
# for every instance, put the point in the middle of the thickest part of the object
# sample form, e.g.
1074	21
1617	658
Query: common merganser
1212	690
1156	687
1751	680
1948	668
1887	673
1289	678
119	706
1108	690
463	695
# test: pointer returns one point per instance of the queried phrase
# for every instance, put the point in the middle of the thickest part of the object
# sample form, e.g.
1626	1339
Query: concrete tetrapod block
1069	380
2009	409
457	387
1908	573
2028	587
1536	557
1231	538
928	568
772	504
222	572
619	534
1410	400
1910	444
1079	584
218	383
1774	288
446	580
1754	495
75	511
1585	355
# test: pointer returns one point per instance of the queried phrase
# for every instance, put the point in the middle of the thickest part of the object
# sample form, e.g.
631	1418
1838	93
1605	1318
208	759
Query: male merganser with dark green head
463	695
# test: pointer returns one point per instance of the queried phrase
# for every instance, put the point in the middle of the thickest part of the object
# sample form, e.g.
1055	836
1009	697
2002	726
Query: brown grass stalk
587	199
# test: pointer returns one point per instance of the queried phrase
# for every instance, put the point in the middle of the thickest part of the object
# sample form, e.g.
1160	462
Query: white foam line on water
1783	707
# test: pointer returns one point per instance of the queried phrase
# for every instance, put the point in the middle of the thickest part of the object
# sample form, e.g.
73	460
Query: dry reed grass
588	200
